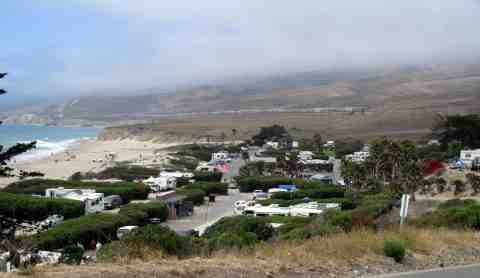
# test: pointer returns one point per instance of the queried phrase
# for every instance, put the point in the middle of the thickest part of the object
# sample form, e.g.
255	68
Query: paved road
471	271
208	213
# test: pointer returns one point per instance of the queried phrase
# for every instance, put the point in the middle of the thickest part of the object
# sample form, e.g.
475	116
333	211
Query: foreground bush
394	249
458	214
197	196
208	176
100	227
209	187
142	212
127	190
127	173
241	225
30	208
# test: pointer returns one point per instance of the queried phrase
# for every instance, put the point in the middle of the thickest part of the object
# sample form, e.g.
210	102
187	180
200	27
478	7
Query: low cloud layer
151	43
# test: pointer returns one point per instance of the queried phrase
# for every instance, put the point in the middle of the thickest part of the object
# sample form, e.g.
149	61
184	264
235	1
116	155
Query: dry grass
344	248
332	256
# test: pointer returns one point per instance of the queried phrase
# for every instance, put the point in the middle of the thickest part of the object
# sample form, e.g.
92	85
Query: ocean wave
45	149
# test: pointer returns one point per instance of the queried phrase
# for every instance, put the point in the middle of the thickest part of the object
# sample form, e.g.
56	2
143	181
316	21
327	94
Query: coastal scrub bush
142	212
72	255
197	196
127	190
458	214
127	173
230	241
250	184
342	219
100	227
239	225
207	176
459	186
210	187
394	249
36	208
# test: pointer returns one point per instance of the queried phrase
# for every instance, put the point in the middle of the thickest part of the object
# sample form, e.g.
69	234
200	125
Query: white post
404	208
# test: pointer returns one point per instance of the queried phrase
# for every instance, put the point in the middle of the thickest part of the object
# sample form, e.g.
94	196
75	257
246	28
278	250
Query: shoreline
87	155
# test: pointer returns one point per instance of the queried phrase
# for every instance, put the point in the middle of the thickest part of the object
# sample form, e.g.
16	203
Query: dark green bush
208	176
127	190
342	219
318	193
241	224
302	233
209	187
26	207
160	237
250	184
127	173
394	249
100	227
72	255
197	196
142	212
230	241
458	214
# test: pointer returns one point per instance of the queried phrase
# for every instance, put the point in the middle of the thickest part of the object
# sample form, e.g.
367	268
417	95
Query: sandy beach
88	155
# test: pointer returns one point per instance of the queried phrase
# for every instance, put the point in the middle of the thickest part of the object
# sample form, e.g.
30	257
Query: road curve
469	271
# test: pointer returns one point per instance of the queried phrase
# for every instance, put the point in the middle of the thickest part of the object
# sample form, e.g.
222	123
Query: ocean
50	139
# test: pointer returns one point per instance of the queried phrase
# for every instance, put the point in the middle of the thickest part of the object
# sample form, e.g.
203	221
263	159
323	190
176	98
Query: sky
61	49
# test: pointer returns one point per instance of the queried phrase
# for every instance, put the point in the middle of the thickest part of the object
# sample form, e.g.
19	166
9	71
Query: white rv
161	183
93	201
469	156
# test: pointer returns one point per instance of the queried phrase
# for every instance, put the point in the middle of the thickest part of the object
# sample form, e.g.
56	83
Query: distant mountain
453	88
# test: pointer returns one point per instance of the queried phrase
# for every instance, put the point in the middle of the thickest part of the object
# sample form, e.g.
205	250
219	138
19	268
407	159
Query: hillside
400	102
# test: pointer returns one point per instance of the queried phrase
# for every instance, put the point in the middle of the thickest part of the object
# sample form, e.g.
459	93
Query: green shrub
142	212
127	173
249	184
197	196
127	190
209	187
342	219
26	207
162	238
458	214
394	249
239	225
302	233
100	227
208	176
230	241
72	254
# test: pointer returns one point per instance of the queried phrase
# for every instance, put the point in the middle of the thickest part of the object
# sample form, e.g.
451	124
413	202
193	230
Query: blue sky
66	48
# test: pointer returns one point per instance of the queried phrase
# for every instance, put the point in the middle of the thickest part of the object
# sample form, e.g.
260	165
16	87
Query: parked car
154	221
112	202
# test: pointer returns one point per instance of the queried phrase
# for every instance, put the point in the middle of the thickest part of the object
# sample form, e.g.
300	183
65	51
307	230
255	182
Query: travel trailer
93	201
161	183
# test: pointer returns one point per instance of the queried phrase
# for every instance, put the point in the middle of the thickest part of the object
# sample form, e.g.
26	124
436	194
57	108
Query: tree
459	186
462	128
268	133
8	154
474	182
441	185
234	133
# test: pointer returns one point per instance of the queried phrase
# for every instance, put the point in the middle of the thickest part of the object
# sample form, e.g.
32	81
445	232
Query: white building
161	183
469	156
176	174
295	144
329	144
93	201
223	155
273	145
358	156
305	155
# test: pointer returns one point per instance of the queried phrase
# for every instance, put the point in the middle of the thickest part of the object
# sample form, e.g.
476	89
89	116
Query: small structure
178	206
295	144
329	144
93	201
271	210
113	201
272	144
161	183
305	155
360	156
222	155
176	174
125	230
469	157
303	210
